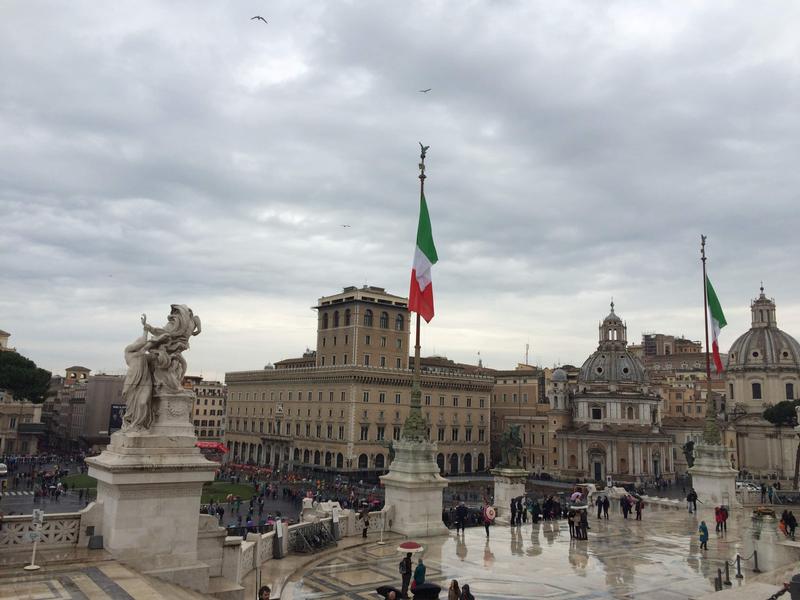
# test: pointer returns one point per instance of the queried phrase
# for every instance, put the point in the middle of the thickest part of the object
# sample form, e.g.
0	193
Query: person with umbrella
405	574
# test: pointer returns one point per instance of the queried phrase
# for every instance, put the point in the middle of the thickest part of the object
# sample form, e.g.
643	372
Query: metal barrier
311	537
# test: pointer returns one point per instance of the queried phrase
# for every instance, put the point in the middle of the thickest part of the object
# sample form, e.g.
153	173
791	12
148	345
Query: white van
3	469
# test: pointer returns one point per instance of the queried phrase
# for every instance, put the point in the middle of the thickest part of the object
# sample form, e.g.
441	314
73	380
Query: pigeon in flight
424	91
345	225
259	18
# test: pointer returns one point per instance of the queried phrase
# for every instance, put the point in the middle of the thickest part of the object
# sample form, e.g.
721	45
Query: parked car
748	486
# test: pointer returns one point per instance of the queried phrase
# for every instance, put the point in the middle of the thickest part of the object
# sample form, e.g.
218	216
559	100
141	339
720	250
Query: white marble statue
156	365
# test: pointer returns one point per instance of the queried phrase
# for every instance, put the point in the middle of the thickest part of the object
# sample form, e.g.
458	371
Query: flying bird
259	18
424	91
345	225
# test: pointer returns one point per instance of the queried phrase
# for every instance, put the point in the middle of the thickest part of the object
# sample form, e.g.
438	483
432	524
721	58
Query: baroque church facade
609	423
763	369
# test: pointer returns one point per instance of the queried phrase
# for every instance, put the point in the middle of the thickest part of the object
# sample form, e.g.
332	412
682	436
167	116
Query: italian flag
420	297
716	321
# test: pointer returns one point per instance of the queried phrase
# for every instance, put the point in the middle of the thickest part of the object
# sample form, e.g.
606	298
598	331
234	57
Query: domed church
613	420
763	369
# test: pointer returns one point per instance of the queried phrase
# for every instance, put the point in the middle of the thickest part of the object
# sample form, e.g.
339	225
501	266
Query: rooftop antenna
527	348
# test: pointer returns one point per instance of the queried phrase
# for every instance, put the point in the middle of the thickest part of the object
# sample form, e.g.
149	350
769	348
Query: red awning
218	446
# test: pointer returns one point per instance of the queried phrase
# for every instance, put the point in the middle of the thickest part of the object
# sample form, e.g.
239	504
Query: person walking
513	512
486	518
770	493
639	508
703	535
599	504
454	592
763	492
466	594
718	518
405	573
606	506
461	517
625	506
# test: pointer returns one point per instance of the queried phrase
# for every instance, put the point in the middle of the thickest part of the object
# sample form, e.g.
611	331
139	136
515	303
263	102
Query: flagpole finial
423	151
762	288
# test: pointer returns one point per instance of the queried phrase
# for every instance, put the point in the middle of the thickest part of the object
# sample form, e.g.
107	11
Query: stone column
713	479
508	483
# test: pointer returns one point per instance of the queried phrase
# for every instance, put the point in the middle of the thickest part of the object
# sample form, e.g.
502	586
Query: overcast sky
178	152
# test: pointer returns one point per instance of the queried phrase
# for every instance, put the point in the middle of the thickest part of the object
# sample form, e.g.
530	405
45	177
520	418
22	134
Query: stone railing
58	529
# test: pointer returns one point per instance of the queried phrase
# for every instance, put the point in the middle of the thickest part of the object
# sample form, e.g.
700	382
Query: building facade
20	426
612	418
87	409
4	335
341	413
763	368
209	408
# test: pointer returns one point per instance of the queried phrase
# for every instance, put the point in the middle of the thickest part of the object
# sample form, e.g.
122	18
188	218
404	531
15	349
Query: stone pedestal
763	535
149	485
508	483
713	479
414	490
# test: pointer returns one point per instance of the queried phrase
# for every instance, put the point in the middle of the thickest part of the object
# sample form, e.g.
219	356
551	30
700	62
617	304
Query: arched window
790	391
368	318
328	459
336	318
306	456
756	390
453	464
297	455
347	318
481	462
573	461
440	462
468	463
362	461
384	320
316	457
630	413
339	461
380	461
399	323
324	320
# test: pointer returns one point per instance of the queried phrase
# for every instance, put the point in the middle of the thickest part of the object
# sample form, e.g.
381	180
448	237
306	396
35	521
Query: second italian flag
716	321
420	296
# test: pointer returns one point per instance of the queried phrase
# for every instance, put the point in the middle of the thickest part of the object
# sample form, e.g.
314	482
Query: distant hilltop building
4	335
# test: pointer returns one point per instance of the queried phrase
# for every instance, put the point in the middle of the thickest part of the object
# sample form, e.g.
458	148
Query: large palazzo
609	423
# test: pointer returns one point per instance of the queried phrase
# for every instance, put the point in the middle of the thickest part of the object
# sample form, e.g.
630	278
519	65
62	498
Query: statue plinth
414	489
149	485
713	478
509	483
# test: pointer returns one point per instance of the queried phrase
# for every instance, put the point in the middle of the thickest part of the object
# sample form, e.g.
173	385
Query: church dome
559	376
764	346
612	363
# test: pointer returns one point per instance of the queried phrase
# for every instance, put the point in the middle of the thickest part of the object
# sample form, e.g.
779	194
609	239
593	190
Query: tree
784	413
22	378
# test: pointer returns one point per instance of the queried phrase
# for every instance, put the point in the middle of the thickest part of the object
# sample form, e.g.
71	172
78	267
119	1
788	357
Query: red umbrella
410	547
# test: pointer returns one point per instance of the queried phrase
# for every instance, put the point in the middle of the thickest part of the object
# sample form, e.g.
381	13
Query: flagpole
711	429
415	427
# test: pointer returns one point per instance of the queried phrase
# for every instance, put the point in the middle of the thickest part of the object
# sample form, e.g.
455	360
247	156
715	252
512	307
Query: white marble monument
414	489
509	477
150	478
713	478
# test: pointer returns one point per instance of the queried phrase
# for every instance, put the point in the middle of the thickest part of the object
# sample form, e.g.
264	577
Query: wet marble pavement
658	558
